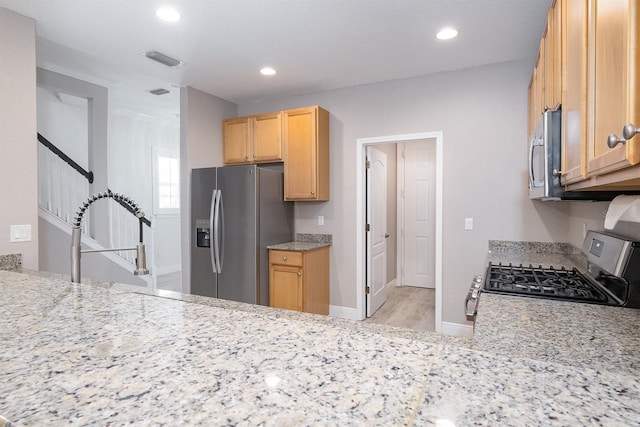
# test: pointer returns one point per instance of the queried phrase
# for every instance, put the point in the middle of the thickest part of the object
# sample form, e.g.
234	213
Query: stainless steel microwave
544	157
545	164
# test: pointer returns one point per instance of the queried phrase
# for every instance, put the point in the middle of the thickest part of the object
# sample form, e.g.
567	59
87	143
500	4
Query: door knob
386	235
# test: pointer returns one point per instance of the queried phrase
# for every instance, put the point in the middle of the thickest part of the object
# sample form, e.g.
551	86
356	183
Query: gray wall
19	160
482	113
201	118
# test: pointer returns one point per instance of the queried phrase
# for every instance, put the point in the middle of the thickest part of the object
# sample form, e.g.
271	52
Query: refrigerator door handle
214	195
216	232
220	242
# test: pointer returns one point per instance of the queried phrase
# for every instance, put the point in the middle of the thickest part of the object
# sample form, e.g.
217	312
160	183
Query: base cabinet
299	280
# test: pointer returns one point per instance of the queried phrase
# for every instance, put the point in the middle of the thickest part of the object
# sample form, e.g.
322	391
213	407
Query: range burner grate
542	283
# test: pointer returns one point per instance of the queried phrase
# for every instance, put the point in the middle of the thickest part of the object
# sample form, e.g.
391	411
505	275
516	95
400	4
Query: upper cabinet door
236	140
301	160
267	137
614	66
306	163
574	90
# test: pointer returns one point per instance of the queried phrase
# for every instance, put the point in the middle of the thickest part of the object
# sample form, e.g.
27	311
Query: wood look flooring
407	307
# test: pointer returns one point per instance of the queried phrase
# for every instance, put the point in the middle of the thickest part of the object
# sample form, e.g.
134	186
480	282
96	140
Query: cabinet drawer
285	258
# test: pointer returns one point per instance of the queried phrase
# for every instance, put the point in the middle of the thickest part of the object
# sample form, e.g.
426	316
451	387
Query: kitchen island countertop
97	355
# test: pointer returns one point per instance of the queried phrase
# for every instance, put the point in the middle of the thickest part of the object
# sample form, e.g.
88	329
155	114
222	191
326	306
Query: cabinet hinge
367	227
367	164
368	290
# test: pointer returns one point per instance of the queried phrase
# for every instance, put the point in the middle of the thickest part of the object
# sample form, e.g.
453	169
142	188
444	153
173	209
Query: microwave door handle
535	142
531	147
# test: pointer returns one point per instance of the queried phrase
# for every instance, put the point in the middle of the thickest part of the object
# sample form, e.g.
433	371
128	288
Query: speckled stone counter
10	262
305	242
543	254
83	354
573	334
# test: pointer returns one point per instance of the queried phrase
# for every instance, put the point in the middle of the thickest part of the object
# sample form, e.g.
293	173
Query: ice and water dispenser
203	233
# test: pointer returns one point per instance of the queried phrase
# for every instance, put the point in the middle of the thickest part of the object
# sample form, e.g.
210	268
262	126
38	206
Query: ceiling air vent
163	59
159	91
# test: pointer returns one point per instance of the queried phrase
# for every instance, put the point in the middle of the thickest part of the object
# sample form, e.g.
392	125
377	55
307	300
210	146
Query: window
166	179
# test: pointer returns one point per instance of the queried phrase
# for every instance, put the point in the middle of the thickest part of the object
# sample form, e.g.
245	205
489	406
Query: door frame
360	215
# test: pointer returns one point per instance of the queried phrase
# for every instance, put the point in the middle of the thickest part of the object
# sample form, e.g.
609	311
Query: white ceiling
315	45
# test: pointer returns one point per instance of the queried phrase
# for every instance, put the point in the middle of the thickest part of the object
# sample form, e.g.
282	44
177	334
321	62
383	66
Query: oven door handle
473	296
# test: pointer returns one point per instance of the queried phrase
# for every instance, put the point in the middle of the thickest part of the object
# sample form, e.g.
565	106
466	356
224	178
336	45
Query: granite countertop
298	246
106	355
569	333
305	242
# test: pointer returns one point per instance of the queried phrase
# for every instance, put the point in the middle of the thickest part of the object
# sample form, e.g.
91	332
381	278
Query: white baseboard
457	329
344	312
392	283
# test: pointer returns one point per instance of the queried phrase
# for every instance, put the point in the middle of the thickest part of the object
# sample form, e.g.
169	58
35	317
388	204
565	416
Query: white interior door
376	177
418	218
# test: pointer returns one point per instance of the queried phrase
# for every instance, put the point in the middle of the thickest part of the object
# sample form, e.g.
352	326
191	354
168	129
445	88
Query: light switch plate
20	233
468	223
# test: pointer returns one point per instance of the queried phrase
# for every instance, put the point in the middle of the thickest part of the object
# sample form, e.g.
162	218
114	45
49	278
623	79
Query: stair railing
64	185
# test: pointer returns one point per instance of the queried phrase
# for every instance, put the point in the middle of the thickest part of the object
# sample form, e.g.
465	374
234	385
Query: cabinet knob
629	130
284	258
246	157
299	274
613	140
313	193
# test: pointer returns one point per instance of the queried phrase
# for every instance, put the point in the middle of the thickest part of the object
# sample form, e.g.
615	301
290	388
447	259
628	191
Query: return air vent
159	91
163	59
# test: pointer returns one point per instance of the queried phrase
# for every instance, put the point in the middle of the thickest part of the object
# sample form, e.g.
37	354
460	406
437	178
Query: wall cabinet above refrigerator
298	137
253	139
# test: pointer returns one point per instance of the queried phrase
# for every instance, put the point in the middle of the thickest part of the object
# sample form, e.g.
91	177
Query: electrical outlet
320	219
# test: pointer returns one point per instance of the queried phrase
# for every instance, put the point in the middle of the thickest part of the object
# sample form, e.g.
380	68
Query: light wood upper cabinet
236	140
600	90
306	154
267	137
253	139
614	40
574	90
553	56
299	280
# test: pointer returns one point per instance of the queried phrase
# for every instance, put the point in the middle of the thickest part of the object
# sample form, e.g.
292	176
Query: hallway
407	307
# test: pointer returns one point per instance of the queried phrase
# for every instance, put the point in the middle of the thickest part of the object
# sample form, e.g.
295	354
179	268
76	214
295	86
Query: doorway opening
367	241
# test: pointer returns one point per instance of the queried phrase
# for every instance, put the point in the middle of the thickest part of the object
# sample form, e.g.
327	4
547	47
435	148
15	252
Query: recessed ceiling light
447	33
168	14
267	71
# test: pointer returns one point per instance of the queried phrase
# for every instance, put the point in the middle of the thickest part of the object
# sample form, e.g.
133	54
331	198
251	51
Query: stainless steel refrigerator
236	212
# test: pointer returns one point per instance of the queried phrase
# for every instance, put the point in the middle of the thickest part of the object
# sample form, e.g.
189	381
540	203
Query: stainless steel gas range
612	277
